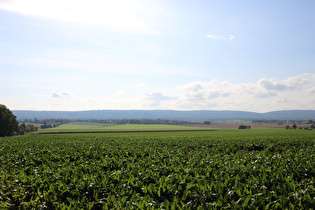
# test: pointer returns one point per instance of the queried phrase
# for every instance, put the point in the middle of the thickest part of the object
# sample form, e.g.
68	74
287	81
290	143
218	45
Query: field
265	168
237	123
87	127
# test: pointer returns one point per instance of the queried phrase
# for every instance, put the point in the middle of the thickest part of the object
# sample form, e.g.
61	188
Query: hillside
166	114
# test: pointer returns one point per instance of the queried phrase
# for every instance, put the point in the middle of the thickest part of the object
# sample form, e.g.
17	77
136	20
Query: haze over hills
166	114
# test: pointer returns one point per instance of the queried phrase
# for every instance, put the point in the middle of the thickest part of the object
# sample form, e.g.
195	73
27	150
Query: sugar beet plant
233	170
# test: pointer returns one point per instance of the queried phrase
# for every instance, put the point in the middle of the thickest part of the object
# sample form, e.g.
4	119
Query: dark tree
294	126
22	128
31	128
242	127
8	123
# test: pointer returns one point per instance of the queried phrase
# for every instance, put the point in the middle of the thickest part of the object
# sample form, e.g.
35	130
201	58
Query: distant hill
166	114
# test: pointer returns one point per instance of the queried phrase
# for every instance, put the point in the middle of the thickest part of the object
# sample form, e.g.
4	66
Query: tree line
145	121
312	126
23	128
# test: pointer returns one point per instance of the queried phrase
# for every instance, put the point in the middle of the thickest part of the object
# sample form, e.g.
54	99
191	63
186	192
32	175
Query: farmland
83	127
228	168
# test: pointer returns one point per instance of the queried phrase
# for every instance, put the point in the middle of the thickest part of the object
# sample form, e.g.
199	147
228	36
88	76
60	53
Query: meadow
265	168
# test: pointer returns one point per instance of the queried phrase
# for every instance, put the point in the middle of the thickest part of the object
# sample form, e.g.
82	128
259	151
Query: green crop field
99	127
227	168
87	124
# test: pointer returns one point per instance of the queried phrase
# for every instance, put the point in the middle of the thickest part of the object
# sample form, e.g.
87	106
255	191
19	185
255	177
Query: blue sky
182	55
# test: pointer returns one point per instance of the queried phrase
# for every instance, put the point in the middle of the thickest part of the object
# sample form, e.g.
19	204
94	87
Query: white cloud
140	86
219	37
311	90
215	89
56	95
267	94
118	14
121	93
62	95
285	100
288	84
265	87
158	96
194	86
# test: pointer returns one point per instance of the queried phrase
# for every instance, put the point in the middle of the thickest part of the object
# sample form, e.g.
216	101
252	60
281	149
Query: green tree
22	129
31	128
8	123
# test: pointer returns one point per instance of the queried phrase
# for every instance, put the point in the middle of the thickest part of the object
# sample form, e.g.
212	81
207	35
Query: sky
72	55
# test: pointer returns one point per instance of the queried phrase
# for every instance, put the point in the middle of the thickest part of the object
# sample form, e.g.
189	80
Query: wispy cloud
219	37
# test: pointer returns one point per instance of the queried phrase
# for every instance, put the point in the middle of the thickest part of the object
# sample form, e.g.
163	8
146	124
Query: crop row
171	171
